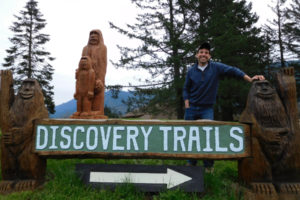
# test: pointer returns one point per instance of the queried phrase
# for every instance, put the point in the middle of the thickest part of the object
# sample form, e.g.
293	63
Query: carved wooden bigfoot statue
97	51
21	169
85	82
274	168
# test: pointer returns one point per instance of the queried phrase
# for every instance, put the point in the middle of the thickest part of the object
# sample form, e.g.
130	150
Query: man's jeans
195	113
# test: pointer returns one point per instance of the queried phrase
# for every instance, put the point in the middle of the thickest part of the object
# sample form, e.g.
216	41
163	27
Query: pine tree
171	31
292	27
165	45
275	28
27	57
237	42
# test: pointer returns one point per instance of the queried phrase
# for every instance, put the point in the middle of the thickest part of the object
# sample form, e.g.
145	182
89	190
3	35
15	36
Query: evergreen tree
292	30
27	57
165	44
292	27
237	42
172	30
275	29
269	54
111	112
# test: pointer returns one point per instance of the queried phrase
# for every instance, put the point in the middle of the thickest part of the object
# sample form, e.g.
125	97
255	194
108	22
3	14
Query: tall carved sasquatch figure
275	163
97	51
21	168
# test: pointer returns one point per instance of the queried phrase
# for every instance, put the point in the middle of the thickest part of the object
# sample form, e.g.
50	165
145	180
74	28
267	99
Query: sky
69	23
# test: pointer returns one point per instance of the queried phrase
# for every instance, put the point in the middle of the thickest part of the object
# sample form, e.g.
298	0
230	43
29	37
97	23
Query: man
200	89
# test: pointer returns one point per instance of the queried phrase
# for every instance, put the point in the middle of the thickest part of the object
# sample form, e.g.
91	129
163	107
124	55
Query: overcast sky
69	23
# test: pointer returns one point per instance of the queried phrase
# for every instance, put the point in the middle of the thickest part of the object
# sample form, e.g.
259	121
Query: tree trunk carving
275	157
21	168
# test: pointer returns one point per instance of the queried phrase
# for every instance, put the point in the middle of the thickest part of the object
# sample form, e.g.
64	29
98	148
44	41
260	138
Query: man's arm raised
256	77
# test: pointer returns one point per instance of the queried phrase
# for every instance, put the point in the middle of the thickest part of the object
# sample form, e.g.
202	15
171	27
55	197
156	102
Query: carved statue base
92	115
7	187
268	191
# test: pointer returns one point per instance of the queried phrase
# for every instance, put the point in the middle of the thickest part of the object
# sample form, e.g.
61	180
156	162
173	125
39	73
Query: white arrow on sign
171	178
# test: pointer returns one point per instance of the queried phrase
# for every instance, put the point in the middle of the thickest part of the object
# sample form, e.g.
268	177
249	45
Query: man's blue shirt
201	87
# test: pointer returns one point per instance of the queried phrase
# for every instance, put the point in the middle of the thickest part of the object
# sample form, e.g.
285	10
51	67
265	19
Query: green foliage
282	34
170	33
275	32
231	99
220	184
174	195
63	183
111	113
292	27
165	46
236	42
27	57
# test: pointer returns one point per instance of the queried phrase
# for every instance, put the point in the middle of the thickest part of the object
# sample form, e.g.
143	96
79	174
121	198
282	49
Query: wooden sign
147	178
127	138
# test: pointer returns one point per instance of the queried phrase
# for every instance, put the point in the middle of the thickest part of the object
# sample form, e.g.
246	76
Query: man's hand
187	103
256	77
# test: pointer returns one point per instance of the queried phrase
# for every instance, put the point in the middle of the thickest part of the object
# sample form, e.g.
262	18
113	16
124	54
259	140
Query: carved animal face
265	104
94	38
27	89
84	63
264	89
28	103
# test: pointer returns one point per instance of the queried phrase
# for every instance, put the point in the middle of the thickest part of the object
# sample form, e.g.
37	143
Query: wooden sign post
57	138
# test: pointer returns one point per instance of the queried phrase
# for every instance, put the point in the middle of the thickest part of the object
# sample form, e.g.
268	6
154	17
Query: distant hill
288	63
291	63
64	110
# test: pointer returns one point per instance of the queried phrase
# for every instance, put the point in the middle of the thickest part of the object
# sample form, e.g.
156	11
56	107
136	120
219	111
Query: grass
63	183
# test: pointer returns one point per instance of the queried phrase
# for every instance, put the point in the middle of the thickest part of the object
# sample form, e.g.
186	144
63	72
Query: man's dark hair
205	45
